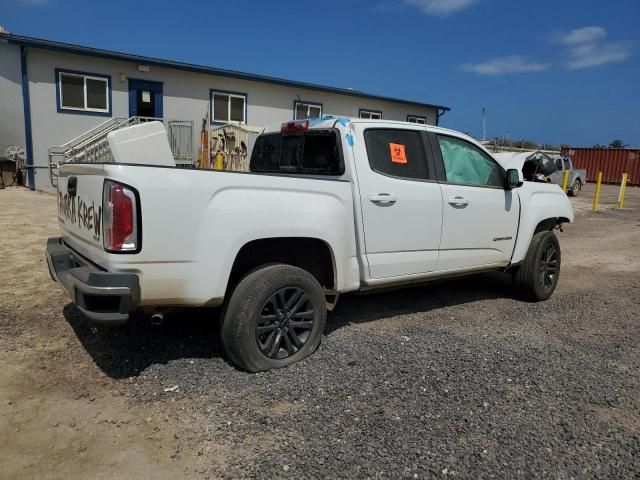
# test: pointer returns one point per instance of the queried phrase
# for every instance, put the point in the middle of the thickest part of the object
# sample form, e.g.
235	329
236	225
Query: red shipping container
612	162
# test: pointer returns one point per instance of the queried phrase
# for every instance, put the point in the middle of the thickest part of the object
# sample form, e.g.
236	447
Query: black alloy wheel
274	317
285	323
548	267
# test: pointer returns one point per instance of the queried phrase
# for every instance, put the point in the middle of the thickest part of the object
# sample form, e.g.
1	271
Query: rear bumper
104	297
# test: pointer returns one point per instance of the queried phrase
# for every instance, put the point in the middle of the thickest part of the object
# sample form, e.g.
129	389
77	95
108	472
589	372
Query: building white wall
11	107
185	97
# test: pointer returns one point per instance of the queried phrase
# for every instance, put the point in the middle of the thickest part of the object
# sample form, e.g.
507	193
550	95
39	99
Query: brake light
294	126
119	218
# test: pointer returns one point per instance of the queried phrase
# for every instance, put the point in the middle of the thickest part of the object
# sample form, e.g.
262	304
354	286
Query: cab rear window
312	152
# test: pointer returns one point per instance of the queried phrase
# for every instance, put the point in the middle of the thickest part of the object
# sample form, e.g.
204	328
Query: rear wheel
275	317
575	188
537	277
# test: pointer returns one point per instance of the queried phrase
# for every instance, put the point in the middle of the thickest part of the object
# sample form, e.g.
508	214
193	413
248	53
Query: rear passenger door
400	200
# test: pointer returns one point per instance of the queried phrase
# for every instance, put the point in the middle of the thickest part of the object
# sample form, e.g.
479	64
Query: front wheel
575	188
537	277
275	317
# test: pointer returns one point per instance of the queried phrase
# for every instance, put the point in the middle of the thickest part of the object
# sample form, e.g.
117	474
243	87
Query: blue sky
554	71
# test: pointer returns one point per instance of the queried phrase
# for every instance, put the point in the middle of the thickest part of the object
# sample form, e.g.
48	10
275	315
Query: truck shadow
370	307
126	351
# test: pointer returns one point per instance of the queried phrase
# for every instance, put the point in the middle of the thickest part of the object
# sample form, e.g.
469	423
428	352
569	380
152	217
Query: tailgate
80	209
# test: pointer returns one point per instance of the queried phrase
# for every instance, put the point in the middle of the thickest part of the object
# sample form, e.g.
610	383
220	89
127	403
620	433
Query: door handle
383	198
458	201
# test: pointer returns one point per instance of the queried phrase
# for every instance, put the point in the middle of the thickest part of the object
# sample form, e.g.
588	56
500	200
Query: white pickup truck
330	206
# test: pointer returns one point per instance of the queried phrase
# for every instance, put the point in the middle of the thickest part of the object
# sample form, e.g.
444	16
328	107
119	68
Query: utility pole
484	125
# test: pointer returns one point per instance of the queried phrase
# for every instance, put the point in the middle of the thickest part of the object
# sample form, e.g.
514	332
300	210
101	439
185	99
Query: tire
277	305
537	277
575	188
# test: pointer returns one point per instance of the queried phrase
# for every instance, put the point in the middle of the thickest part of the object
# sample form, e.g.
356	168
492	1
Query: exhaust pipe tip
157	319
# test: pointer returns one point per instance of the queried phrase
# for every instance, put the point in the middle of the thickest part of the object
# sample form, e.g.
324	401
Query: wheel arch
311	254
550	223
528	230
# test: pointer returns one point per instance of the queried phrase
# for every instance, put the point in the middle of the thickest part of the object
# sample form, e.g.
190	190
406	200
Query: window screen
397	152
313	152
416	119
467	165
369	114
96	93
83	92
228	107
72	88
307	110
237	109
221	107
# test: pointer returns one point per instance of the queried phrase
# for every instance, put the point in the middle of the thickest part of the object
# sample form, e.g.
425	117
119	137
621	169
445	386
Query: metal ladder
92	146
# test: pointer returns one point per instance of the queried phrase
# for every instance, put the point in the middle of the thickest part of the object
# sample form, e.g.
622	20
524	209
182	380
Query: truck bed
193	223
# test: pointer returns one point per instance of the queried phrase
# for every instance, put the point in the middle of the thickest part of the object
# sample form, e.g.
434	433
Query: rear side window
558	164
314	152
399	153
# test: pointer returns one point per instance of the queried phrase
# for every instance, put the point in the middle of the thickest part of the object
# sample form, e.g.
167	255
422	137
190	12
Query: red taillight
120	225
294	126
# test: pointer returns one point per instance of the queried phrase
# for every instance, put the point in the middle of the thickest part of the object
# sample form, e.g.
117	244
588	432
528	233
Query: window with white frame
416	119
228	107
370	114
83	92
304	110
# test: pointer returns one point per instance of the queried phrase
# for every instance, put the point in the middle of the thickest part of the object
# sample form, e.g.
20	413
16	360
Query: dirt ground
73	406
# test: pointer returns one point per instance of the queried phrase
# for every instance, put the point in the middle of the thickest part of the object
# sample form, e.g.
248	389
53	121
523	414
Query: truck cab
330	205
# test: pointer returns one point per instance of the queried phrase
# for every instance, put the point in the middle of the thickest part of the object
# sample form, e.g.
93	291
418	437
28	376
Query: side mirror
513	179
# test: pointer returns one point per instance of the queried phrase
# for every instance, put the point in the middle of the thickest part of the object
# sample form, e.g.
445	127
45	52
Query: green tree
617	144
597	145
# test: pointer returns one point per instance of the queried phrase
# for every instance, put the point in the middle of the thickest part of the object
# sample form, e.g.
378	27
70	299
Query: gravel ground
455	379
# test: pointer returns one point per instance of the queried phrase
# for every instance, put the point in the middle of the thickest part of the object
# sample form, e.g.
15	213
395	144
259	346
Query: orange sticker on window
398	154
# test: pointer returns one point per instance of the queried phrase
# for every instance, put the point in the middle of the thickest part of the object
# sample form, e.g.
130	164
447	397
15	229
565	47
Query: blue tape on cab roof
350	139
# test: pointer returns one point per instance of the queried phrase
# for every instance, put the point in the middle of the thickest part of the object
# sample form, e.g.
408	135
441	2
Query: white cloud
587	47
440	7
579	48
580	36
594	54
505	65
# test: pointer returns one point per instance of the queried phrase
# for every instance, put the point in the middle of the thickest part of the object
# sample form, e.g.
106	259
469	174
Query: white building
51	92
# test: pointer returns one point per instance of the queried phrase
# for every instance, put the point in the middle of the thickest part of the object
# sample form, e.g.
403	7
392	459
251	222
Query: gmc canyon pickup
330	206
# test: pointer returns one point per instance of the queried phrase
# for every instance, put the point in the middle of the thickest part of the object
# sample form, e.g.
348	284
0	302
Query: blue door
145	98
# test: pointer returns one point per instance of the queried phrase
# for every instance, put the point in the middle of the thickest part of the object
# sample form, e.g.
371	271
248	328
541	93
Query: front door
400	200
145	99
480	217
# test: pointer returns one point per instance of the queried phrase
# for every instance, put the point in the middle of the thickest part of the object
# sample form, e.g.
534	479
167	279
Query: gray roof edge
108	54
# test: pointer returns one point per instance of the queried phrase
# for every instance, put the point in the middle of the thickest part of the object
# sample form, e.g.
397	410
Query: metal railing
93	147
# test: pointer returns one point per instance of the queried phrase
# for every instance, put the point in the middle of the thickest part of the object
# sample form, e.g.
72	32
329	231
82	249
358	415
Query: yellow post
623	190
596	197
565	180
